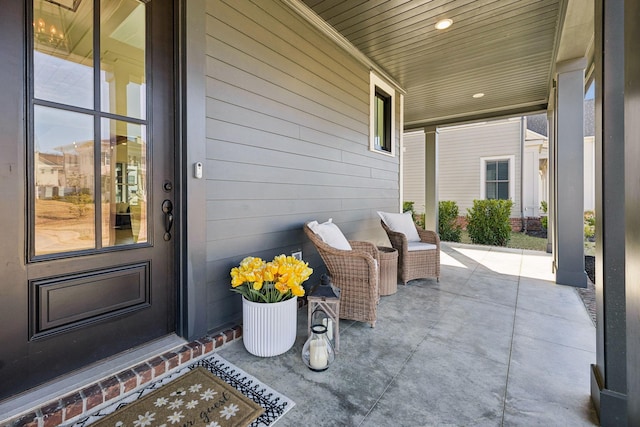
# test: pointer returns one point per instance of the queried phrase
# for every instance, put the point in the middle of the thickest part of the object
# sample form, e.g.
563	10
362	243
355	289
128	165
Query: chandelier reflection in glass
49	28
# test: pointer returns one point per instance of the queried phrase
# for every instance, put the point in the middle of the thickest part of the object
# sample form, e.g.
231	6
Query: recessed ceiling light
443	24
478	95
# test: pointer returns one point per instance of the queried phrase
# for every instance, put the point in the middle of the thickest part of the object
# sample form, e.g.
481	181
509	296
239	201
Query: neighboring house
49	171
491	169
487	160
468	153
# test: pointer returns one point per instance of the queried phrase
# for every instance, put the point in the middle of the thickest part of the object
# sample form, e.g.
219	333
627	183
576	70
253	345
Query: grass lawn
517	241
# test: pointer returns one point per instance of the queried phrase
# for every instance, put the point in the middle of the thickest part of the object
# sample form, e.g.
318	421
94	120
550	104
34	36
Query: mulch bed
588	294
590	267
537	233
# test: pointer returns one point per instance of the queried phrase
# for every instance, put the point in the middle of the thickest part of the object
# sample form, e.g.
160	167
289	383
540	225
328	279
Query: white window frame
483	174
377	82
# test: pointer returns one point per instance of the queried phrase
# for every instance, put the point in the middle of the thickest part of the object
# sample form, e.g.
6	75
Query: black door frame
14	166
190	149
12	170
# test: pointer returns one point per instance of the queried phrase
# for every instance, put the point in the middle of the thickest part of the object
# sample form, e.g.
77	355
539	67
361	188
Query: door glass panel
123	179
66	141
63	52
122	58
64	179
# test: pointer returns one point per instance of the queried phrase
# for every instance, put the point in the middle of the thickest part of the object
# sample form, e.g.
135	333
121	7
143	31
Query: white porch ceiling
505	49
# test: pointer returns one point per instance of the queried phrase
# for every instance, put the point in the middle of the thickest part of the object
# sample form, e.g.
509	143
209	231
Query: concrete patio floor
494	343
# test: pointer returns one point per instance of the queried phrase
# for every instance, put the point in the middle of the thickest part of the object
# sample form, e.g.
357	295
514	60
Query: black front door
87	149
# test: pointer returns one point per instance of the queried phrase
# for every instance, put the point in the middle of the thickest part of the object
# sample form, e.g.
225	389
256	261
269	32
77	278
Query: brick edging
85	400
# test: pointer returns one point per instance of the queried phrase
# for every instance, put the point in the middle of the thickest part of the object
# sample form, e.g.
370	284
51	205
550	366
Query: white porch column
551	192
431	179
569	173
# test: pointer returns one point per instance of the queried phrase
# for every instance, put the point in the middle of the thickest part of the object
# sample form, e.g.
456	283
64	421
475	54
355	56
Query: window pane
491	190
63	52
503	170
379	125
64	173
503	190
122	58
123	180
491	171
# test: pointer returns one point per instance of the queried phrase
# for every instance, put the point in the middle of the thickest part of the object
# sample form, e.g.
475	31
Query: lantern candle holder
317	352
324	309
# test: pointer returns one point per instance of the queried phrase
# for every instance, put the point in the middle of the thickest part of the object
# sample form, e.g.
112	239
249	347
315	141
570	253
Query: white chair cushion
401	223
420	246
330	234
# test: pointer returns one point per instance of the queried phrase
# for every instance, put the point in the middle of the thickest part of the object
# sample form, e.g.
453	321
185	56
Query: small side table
388	270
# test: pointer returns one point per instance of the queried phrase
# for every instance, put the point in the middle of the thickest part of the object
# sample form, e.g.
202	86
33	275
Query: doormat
184	398
196	398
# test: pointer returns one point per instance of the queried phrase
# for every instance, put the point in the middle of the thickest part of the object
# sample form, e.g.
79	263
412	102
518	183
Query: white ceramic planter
269	329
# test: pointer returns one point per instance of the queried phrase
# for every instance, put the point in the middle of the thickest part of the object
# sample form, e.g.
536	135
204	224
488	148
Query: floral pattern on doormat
275	405
197	398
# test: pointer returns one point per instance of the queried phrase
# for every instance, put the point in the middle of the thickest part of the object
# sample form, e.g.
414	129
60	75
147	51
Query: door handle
167	208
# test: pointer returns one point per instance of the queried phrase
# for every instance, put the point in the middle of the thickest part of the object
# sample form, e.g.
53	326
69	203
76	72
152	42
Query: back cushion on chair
401	223
330	234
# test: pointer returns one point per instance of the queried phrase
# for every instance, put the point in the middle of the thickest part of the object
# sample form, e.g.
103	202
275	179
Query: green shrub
590	218
80	201
589	225
488	222
417	218
448	230
544	220
407	206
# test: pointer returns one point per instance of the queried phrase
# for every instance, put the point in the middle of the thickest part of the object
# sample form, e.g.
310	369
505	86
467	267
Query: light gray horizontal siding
459	153
287	142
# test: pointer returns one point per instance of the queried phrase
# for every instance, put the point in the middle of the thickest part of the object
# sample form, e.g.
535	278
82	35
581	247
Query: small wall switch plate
297	255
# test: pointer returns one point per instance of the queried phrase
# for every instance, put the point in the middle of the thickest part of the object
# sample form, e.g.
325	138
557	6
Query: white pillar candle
329	324
318	355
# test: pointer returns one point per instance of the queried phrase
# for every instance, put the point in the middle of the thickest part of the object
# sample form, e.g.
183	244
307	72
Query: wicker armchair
355	272
416	264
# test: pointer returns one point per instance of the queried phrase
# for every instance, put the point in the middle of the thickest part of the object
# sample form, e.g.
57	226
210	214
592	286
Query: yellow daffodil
282	287
297	291
270	282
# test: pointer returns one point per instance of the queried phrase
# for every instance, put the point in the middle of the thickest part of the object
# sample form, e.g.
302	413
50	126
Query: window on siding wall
382	114
382	127
497	177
